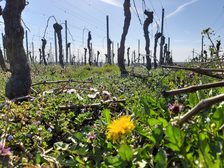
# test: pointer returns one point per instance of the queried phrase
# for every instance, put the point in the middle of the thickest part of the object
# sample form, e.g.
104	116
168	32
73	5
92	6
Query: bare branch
48	23
203	71
136	10
203	104
25	25
192	89
60	81
222	127
21	99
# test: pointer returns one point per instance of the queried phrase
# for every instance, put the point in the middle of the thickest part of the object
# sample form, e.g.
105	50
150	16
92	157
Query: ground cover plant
98	119
99	115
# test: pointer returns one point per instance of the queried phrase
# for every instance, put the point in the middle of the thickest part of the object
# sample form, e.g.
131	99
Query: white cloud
113	2
180	8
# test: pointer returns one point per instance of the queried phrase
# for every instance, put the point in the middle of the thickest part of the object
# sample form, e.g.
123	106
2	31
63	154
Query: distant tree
20	81
208	32
58	28
214	48
157	36
121	50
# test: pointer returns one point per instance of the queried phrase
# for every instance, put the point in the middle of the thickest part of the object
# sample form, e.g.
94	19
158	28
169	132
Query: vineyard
67	124
140	111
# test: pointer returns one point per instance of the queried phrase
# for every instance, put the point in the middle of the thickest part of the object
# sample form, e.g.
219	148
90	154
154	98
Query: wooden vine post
128	55
157	36
165	50
110	54
68	46
40	55
218	45
203	71
58	28
147	22
121	50
97	58
44	43
134	57
20	81
89	47
85	52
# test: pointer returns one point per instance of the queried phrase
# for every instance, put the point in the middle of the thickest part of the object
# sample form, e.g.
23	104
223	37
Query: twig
26	25
69	32
192	89
200	106
202	71
25	151
198	68
136	10
23	98
212	69
48	23
222	127
60	81
33	90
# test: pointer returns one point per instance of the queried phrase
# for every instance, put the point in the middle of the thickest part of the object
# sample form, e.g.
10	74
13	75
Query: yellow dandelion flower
119	128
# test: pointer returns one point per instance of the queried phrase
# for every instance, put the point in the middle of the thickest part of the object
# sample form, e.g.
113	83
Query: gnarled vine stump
57	28
157	36
20	82
121	50
147	22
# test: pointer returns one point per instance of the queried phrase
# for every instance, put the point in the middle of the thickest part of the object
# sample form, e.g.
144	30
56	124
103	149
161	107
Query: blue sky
185	19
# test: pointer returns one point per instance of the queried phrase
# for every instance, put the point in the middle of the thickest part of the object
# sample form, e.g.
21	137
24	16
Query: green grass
43	134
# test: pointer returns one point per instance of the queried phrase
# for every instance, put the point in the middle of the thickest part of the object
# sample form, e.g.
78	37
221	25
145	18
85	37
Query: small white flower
208	120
